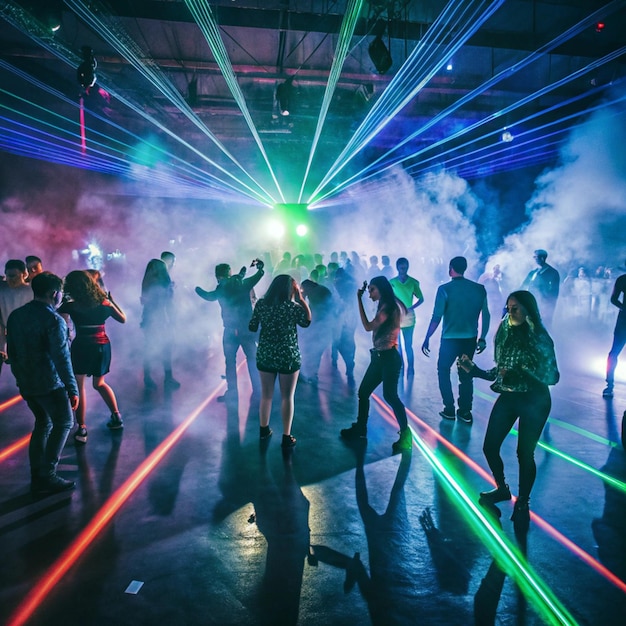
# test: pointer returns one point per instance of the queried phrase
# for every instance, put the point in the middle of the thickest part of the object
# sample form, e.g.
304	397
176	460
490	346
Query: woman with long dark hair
157	296
88	308
525	366
385	361
278	313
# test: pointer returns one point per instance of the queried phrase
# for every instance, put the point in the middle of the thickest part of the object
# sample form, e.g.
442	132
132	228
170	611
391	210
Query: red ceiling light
600	27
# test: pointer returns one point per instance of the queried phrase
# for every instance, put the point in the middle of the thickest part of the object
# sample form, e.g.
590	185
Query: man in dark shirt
619	334
39	354
234	293
319	337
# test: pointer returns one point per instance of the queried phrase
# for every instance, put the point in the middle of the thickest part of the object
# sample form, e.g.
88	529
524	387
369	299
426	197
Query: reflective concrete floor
186	508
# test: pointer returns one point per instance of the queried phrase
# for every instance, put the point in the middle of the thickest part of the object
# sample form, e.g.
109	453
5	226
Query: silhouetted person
459	303
319	336
234	294
157	294
543	282
39	354
407	290
386	269
346	322
618	299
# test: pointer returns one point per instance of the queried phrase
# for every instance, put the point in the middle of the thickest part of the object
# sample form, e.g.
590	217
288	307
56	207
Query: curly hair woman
278	313
88	308
525	366
385	363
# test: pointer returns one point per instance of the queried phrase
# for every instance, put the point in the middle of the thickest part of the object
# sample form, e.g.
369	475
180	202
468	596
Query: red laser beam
13	448
73	552
7	404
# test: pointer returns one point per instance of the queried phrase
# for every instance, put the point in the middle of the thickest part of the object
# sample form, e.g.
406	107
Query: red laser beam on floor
545	526
73	552
13	448
7	404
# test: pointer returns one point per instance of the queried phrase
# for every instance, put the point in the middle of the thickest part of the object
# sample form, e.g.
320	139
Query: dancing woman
88	308
385	363
525	366
278	313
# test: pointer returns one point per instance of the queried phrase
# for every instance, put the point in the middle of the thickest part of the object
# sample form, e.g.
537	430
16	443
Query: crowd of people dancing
52	334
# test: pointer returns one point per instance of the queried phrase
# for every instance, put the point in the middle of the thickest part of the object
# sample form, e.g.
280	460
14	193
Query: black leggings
384	367
532	408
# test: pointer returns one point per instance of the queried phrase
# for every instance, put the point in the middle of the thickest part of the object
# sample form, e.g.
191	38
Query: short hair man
407	290
619	334
14	293
39	354
543	282
34	266
234	294
459	303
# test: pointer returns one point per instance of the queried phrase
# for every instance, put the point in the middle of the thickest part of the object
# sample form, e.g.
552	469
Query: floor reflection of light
508	555
7	404
14	447
553	532
84	539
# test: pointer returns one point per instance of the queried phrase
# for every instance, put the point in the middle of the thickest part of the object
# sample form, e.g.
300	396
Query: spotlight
380	56
449	66
284	92
600	26
301	230
507	136
86	72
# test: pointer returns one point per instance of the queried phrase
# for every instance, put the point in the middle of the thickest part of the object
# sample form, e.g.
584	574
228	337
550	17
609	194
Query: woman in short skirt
88	308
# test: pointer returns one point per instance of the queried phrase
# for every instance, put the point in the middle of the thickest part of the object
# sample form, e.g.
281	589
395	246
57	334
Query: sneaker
499	494
115	422
52	484
608	391
356	431
80	436
447	414
405	442
288	441
465	416
171	383
265	432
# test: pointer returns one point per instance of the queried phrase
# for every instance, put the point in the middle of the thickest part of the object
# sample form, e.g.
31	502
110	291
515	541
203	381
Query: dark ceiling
186	90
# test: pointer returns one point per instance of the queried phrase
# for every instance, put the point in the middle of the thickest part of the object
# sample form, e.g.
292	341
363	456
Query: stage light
507	136
600	26
380	56
275	229
301	230
284	93
449	66
86	72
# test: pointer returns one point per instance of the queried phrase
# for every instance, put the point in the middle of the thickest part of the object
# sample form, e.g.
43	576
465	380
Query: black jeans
384	367
232	340
619	341
532	408
53	421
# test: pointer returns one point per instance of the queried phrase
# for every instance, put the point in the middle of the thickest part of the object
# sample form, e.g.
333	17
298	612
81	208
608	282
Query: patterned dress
278	349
